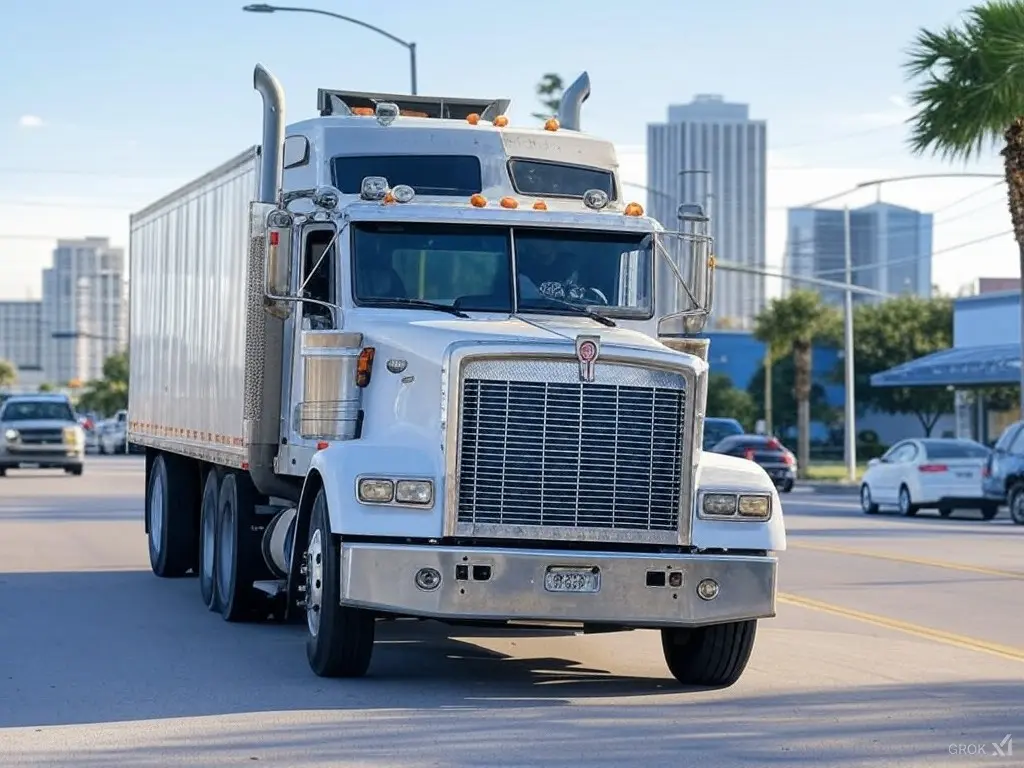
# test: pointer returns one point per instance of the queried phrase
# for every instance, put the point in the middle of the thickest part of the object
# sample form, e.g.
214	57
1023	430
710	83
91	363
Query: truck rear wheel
170	498
709	656
339	642
238	557
208	539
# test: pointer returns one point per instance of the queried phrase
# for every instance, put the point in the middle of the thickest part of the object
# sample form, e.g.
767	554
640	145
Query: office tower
21	337
710	134
890	247
84	308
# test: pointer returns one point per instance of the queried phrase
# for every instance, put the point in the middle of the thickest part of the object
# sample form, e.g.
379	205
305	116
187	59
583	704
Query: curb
833	489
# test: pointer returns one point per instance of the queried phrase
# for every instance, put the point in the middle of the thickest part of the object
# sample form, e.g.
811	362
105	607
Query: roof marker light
386	112
472	118
403	193
478	201
634	209
551	124
540	205
373	188
509	202
595	199
500	121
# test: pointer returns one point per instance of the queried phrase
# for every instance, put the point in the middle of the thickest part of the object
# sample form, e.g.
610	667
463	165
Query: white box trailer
404	359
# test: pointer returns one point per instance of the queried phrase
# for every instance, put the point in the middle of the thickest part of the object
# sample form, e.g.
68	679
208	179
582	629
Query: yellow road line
907	559
936	635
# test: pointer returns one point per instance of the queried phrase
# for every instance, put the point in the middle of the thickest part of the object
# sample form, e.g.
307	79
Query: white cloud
30	121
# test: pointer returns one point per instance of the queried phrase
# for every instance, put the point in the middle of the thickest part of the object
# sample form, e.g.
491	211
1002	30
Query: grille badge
588	348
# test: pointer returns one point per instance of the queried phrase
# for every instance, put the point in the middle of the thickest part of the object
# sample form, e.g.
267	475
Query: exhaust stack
572	102
272	163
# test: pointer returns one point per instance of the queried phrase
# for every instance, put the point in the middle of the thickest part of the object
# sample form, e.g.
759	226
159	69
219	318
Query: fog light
755	506
428	579
11	435
414	491
707	589
373	490
718	505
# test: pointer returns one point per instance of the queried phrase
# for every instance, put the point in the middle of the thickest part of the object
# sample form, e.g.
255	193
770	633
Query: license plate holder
578	580
965	475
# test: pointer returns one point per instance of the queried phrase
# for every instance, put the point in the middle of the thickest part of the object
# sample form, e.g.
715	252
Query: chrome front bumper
383	577
53	454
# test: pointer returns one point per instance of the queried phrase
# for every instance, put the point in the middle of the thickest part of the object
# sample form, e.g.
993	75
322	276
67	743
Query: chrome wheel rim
904	501
1017	509
225	551
314	582
156	513
865	498
209	543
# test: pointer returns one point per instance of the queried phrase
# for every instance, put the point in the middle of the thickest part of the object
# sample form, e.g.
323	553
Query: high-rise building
711	152
890	250
21	338
84	309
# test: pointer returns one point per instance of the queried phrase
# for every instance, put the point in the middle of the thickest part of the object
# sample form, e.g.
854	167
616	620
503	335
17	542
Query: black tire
906	504
787	486
76	470
1015	499
867	505
945	511
3	471
172	534
238	557
989	511
709	656
339	640
207	560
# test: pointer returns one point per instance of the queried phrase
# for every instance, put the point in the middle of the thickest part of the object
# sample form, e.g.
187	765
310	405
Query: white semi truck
404	359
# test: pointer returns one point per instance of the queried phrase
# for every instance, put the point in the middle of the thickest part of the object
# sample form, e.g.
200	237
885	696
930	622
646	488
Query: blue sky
109	105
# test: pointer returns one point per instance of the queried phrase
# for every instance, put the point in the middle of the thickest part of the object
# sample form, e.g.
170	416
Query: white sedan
927	473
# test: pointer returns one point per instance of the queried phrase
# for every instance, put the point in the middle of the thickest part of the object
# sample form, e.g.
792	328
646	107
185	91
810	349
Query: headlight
73	435
374	490
11	435
731	506
414	491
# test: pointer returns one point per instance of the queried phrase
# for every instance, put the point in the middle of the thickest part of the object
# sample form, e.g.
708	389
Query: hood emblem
588	348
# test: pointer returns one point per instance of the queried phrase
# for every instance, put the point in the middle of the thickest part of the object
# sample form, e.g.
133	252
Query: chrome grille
37	436
603	455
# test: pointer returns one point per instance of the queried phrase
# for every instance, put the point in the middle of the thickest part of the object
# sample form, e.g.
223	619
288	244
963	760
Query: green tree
897	331
971	96
549	94
109	394
8	373
726	401
46	387
790	327
784	405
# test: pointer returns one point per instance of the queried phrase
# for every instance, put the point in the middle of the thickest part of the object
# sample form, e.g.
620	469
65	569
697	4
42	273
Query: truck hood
428	339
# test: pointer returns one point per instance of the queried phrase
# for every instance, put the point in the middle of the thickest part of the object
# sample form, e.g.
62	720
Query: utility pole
851	413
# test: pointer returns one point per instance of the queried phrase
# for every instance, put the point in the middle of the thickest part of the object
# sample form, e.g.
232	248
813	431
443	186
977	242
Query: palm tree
549	93
791	326
8	374
972	96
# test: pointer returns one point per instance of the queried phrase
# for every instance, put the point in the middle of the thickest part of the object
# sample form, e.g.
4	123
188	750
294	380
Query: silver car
40	430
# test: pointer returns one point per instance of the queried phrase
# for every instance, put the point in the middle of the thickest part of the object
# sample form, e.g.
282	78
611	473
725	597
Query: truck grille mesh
570	454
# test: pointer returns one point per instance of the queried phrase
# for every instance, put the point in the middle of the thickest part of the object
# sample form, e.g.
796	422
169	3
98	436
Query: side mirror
874	462
278	255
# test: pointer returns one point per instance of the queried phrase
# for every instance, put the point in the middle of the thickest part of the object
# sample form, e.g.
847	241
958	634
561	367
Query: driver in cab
547	273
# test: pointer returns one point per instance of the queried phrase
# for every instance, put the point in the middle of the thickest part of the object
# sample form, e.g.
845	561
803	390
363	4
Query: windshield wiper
422	303
576	309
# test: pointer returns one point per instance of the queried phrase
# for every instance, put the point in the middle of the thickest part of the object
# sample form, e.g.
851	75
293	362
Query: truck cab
474	391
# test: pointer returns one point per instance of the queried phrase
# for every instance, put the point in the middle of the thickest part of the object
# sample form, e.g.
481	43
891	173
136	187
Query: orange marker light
388	198
363	111
275	237
551	124
634	209
478	201
509	202
540	205
472	118
322	444
365	366
500	121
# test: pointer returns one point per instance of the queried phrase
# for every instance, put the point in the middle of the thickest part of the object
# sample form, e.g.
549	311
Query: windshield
36	410
470	268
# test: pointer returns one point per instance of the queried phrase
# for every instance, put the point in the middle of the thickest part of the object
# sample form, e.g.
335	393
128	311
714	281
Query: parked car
40	430
717	429
777	460
928	473
1002	477
113	437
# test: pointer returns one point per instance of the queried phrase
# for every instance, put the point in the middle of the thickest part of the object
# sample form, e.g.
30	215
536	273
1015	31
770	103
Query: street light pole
851	411
411	47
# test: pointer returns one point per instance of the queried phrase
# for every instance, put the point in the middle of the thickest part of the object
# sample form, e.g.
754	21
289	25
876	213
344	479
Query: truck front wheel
339	642
709	656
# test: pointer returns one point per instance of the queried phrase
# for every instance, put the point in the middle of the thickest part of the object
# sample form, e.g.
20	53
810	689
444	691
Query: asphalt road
898	643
